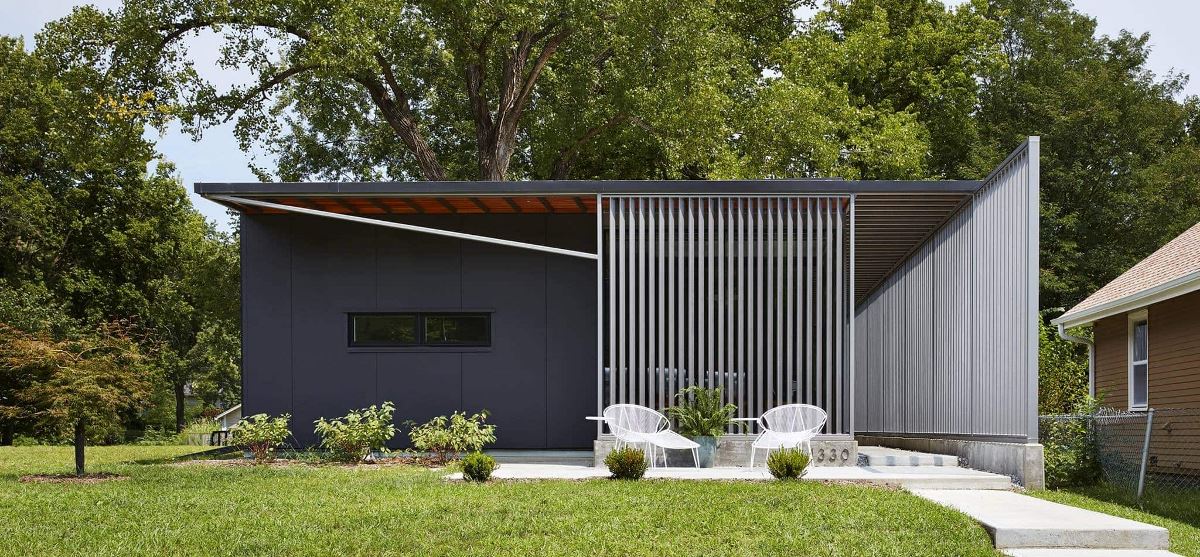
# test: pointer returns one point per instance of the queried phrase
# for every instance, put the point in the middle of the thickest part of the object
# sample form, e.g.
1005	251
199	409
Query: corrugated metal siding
951	333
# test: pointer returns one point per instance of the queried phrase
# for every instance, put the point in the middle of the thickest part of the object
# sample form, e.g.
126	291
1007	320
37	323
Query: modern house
906	309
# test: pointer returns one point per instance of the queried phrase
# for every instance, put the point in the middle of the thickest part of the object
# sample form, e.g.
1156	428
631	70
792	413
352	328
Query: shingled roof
1171	271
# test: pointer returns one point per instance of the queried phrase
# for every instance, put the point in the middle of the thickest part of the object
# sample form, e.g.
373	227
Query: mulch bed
72	478
405	460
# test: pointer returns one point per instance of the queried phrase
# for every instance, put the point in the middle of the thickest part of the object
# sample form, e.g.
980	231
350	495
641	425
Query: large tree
1120	155
443	90
89	236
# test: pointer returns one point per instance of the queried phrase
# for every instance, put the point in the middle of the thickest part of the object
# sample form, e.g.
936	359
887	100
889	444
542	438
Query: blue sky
216	157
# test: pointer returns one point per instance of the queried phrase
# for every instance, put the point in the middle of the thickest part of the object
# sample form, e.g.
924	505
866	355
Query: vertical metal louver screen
746	294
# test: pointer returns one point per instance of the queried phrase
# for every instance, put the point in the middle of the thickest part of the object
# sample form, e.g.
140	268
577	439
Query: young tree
81	385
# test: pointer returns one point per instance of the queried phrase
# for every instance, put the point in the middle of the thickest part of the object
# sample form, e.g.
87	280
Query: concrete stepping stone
1017	521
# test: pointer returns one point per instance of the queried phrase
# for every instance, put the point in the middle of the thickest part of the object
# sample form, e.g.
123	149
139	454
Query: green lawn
1179	514
209	509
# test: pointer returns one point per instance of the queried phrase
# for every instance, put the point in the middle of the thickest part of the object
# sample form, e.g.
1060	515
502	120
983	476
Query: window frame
421	343
1134	319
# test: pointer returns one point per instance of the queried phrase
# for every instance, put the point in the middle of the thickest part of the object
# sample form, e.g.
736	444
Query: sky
215	157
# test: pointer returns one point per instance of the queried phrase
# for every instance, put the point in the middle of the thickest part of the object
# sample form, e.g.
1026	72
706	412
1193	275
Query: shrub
478	467
445	437
626	463
1070	447
787	464
700	412
260	434
351	437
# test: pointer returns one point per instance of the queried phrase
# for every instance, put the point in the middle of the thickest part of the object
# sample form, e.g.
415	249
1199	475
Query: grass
1178	513
213	509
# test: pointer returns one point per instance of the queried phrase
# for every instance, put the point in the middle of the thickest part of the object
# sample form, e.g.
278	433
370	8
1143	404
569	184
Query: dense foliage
626	463
1062	372
700	412
1071	448
89	235
444	438
787	464
478	467
352	437
261	435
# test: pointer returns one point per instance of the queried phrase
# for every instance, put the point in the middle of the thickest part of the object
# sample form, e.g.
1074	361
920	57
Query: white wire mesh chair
637	425
787	427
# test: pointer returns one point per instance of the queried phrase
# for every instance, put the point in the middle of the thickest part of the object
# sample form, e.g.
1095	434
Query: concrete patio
911	477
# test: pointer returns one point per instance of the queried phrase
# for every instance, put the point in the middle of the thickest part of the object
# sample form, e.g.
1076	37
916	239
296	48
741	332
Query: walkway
1024	526
912	477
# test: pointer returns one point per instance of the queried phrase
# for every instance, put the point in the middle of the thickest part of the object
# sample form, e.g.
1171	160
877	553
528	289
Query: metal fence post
1145	454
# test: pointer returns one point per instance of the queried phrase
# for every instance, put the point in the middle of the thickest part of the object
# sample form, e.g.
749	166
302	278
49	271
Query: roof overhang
892	217
1165	291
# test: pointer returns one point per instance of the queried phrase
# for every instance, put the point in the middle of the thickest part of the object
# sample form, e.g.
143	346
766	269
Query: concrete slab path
1090	553
1017	521
912	477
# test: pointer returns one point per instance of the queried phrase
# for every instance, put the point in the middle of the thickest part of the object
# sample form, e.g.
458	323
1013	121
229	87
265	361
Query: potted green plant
700	415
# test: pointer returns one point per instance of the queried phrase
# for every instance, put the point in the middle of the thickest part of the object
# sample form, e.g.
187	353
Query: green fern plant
699	412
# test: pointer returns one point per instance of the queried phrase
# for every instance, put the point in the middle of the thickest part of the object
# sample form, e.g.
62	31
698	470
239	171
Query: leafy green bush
478	467
787	464
1062	371
444	438
260	434
351	437
626	463
700	412
1070	449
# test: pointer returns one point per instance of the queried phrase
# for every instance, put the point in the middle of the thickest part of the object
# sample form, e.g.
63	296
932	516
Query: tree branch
268	84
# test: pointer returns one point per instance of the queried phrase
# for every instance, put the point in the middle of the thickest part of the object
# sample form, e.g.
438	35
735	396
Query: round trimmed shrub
787	464
478	467
626	464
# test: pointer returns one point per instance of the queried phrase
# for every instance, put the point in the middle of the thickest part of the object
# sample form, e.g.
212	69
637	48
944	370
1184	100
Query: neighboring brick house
1146	326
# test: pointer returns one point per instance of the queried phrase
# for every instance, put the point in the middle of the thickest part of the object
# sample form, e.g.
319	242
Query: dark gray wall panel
421	385
571	335
333	272
304	274
266	318
510	380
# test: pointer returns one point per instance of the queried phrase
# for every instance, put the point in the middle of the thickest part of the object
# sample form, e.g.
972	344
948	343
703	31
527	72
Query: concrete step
1043	552
885	456
562	457
1017	521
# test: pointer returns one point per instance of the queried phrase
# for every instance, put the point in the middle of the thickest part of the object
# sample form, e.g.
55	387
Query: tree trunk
179	407
80	440
6	436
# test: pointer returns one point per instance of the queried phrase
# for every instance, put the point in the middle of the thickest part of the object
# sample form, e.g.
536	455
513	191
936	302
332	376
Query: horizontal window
420	329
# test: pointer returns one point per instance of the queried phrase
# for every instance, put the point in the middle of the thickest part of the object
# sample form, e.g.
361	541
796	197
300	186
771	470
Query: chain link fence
1141	455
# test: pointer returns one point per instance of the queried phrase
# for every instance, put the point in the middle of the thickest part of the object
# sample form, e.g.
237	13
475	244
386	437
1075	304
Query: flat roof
892	218
590	187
